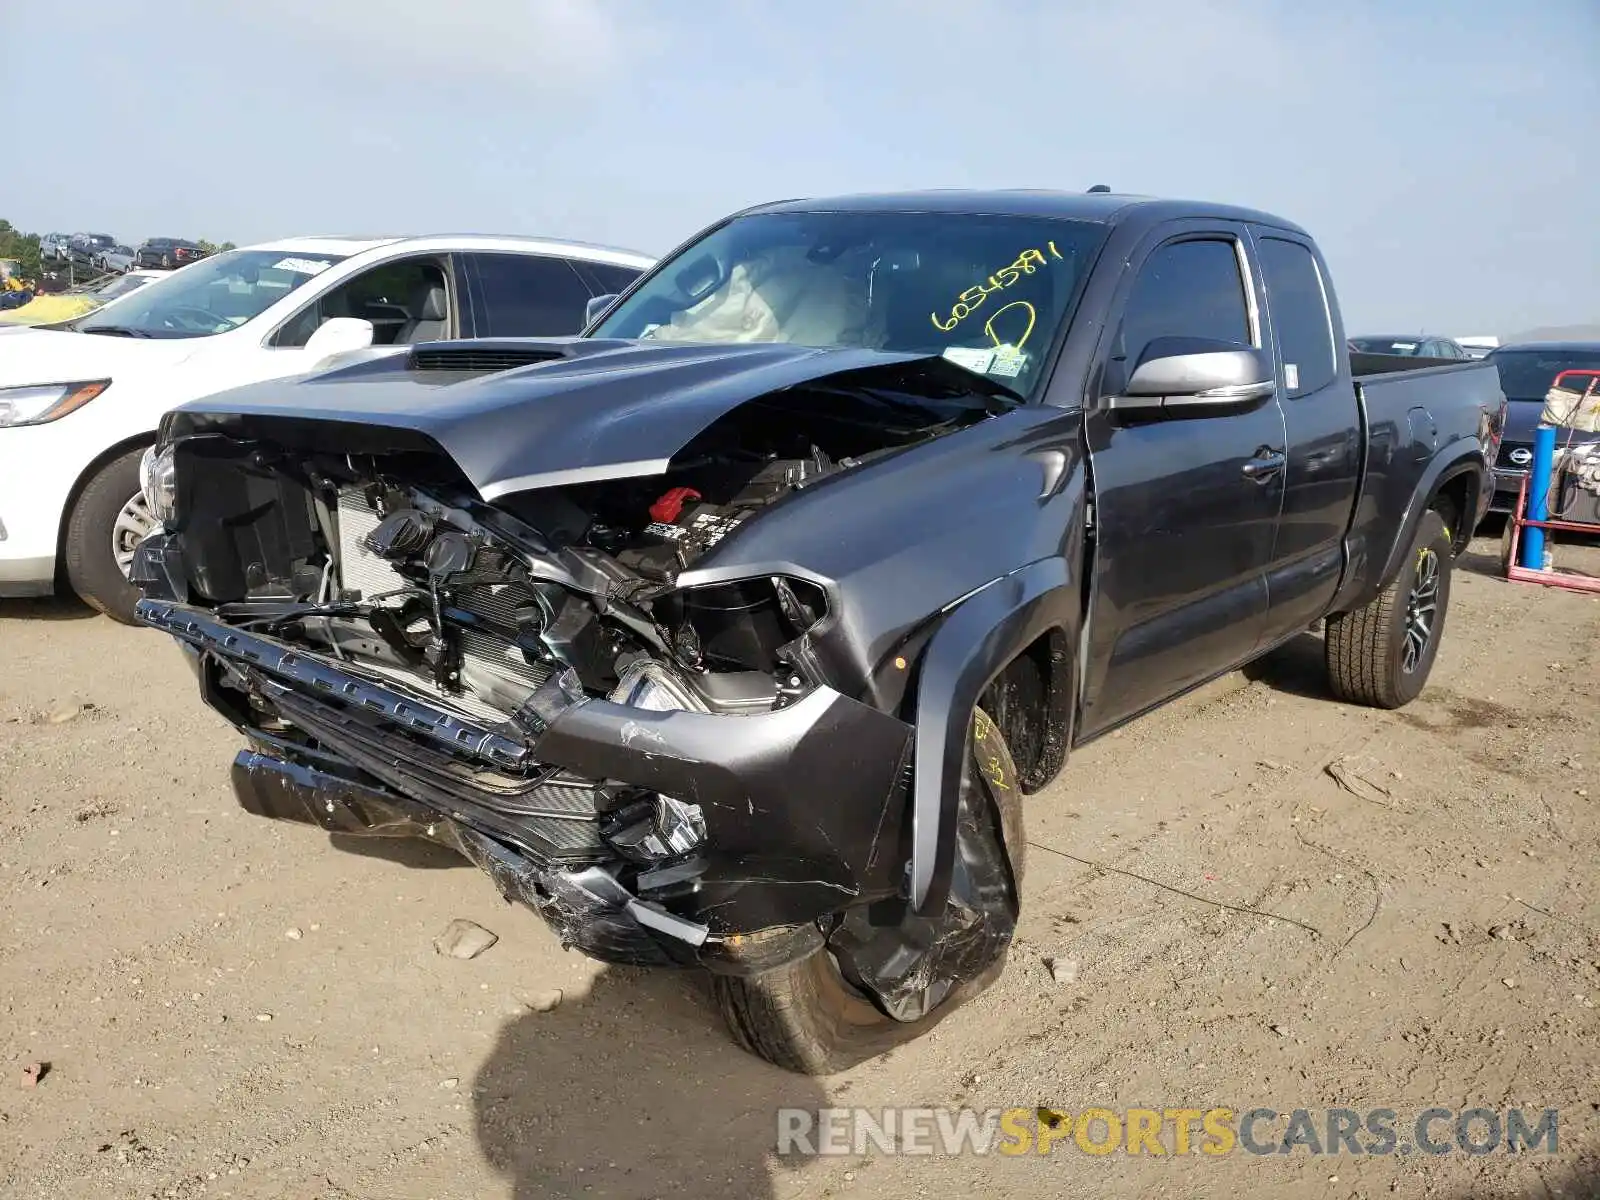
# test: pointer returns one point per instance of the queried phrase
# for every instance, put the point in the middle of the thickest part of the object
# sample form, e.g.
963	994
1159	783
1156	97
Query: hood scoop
483	356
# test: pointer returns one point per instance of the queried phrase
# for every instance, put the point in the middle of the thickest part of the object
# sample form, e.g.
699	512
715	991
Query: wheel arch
1457	480
96	465
1028	620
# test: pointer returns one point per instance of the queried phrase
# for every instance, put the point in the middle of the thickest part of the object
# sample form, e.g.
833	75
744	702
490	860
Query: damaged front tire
887	974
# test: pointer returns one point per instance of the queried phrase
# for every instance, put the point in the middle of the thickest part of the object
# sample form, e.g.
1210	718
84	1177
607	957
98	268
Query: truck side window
529	295
1299	315
1187	289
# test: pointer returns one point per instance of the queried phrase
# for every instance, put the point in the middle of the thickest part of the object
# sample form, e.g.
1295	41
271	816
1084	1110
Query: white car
79	403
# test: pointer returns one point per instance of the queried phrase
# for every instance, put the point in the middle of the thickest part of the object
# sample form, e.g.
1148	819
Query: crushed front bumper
805	807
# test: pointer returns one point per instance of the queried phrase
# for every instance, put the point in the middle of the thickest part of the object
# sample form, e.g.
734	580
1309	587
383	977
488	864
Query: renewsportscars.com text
1213	1132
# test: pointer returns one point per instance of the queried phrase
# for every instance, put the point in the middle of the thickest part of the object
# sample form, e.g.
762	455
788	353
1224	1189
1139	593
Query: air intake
481	357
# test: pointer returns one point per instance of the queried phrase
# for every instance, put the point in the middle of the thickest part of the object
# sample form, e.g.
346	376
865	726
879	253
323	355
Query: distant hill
1558	333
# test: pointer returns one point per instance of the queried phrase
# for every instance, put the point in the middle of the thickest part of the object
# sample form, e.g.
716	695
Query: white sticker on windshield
1008	361
1405	345
1291	375
302	266
970	357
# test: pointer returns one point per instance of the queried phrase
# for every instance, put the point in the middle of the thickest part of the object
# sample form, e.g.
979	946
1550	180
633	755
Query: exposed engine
396	647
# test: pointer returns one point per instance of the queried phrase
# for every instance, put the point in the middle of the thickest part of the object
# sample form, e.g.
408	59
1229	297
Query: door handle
1264	465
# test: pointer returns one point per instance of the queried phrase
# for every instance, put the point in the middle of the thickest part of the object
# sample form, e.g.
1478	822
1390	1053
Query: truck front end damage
668	774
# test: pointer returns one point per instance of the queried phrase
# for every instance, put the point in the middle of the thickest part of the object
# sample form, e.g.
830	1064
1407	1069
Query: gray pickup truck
732	633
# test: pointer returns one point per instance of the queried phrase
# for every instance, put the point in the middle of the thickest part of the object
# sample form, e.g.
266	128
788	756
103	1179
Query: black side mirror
1196	377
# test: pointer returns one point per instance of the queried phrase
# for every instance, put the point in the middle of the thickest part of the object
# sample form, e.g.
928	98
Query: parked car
115	259
53	247
1410	345
167	253
60	307
732	632
85	246
69	462
1527	370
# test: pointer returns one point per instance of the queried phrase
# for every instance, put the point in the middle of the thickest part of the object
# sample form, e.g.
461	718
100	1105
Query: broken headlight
744	625
649	685
158	481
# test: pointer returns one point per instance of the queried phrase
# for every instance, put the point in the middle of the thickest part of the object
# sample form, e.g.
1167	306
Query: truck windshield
990	293
1528	374
211	296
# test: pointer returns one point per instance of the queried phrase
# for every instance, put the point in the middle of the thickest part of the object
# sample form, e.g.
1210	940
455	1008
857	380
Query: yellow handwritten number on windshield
1029	261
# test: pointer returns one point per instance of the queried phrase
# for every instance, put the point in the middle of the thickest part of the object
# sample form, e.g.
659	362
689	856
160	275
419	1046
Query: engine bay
387	560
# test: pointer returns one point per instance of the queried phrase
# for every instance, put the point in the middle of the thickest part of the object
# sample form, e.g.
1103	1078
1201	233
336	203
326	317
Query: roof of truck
1104	207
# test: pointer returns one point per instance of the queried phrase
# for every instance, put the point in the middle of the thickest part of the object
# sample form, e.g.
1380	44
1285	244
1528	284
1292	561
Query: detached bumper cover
805	807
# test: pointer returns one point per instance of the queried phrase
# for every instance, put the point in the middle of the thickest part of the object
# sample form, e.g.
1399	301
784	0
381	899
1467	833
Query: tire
1369	659
810	1018
166	262
91	563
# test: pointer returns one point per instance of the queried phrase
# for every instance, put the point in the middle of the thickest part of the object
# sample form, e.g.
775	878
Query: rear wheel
108	521
886	975
1381	654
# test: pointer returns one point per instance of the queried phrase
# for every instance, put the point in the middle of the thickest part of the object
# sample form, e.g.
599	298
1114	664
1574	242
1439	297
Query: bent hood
592	410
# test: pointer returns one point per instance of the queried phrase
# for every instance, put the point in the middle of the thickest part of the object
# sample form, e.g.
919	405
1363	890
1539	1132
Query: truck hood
60	356
594	409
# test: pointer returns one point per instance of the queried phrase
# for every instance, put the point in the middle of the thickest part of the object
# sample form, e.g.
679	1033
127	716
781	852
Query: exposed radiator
359	568
481	653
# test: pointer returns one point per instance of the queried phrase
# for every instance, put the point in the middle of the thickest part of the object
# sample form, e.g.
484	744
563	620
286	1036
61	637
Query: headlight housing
36	404
158	480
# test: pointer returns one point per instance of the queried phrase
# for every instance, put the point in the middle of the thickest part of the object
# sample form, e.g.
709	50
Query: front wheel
887	975
108	521
1380	655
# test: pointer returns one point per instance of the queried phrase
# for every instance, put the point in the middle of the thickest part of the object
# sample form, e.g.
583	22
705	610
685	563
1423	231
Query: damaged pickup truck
732	633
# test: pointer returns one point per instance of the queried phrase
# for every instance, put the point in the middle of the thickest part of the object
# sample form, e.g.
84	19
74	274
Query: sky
1445	153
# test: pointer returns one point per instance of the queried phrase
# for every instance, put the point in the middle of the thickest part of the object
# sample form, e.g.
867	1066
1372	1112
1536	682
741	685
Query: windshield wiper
115	331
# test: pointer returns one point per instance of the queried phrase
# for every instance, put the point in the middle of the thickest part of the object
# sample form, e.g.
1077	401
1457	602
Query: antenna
1099	187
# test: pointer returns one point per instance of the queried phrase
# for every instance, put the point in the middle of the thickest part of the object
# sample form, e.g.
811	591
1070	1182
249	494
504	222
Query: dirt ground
235	1007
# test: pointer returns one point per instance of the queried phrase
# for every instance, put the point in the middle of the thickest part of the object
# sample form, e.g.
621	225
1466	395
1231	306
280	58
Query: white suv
79	402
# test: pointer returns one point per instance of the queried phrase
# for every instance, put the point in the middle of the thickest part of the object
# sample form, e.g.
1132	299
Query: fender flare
973	644
1445	468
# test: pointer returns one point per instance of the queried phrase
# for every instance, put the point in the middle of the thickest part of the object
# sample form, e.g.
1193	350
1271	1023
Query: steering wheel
191	317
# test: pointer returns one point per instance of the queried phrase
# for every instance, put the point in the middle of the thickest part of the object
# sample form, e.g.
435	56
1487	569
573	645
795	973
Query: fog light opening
650	828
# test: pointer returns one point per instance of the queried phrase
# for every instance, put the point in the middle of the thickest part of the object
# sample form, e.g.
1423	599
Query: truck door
1185	505
1324	435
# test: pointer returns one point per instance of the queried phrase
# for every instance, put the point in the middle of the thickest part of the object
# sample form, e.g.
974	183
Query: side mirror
596	306
1197	377
338	335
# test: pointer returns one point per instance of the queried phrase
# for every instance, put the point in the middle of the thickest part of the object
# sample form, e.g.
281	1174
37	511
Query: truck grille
1515	456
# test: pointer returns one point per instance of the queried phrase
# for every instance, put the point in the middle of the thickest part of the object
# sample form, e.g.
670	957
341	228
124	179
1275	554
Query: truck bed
1420	419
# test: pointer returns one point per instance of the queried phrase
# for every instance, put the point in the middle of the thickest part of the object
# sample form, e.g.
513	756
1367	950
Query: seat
429	314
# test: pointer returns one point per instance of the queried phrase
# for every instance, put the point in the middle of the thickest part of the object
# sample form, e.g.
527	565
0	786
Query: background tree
21	246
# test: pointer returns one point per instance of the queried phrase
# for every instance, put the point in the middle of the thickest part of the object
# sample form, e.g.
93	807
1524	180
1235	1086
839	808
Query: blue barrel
1544	453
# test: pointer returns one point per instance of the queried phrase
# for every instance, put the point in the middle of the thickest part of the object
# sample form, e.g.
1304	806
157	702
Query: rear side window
1299	315
528	295
1187	289
607	279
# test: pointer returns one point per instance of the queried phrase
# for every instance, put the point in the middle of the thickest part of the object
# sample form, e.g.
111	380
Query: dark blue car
1526	373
